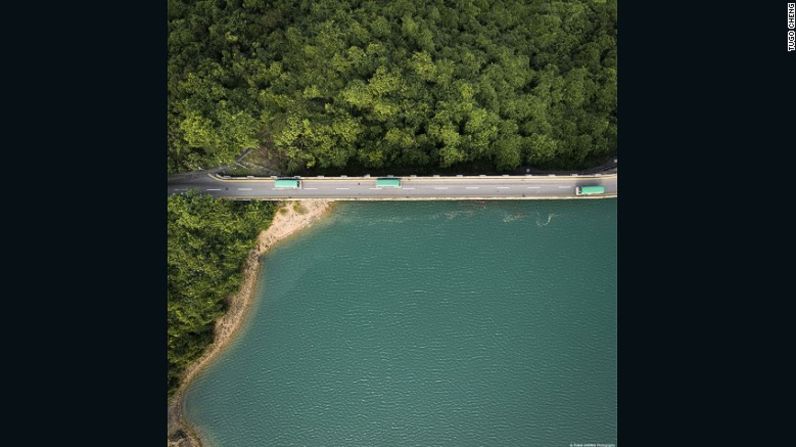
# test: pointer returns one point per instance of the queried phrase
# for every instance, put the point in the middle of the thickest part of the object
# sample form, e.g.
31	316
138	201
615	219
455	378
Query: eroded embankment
289	219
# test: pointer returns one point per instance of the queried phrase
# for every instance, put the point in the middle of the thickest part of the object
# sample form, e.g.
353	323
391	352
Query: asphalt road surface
412	188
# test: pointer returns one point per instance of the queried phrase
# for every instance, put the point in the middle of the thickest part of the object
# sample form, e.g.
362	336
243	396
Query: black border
85	183
706	95
704	90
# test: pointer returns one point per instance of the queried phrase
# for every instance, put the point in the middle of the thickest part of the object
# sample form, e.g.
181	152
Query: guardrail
408	177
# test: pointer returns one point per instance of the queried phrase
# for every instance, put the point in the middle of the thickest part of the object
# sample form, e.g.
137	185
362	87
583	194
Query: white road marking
440	187
310	188
407	188
181	189
244	189
471	187
374	188
563	187
213	189
534	187
342	188
504	187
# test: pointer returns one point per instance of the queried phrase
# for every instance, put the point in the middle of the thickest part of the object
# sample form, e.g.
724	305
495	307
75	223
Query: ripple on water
431	323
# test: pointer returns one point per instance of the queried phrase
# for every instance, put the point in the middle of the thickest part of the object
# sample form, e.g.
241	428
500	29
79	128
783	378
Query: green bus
589	190
291	183
391	182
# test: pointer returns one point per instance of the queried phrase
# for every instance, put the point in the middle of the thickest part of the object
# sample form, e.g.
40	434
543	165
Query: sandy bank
289	219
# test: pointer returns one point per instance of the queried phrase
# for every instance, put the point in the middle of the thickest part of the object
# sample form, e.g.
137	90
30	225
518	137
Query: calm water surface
436	323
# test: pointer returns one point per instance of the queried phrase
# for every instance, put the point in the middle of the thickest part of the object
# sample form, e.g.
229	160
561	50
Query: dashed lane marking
440	187
534	187
504	187
342	188
213	189
407	188
310	188
471	187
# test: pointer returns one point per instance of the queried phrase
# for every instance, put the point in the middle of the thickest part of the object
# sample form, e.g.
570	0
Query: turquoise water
427	323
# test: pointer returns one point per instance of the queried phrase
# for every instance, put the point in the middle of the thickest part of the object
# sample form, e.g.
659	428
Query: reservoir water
427	323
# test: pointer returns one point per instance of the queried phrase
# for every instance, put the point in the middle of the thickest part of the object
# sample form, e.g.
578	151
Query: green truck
287	183
589	190
391	182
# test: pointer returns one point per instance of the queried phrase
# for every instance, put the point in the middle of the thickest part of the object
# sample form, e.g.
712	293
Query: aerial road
523	187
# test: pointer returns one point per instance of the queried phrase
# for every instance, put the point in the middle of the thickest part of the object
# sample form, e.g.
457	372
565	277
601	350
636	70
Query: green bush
208	242
405	83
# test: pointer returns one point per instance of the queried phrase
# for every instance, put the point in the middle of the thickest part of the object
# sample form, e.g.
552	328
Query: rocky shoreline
289	219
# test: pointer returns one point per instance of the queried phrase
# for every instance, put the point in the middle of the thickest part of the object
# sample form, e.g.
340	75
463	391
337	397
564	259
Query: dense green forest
381	84
208	242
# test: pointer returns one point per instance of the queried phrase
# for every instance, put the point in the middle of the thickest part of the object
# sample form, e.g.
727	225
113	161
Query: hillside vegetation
208	242
383	84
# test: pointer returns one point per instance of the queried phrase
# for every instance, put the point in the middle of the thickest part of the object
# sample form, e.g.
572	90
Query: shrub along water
208	242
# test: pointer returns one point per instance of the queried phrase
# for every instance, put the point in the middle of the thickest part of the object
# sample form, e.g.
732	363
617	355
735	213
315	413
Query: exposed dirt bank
289	219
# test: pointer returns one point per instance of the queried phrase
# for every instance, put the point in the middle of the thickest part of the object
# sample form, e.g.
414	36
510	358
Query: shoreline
289	218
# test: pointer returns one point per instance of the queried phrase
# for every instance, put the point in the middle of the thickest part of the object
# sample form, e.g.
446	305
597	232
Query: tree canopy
208	241
405	83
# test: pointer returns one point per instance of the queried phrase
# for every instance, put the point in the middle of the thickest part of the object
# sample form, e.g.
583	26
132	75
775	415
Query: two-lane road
412	188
